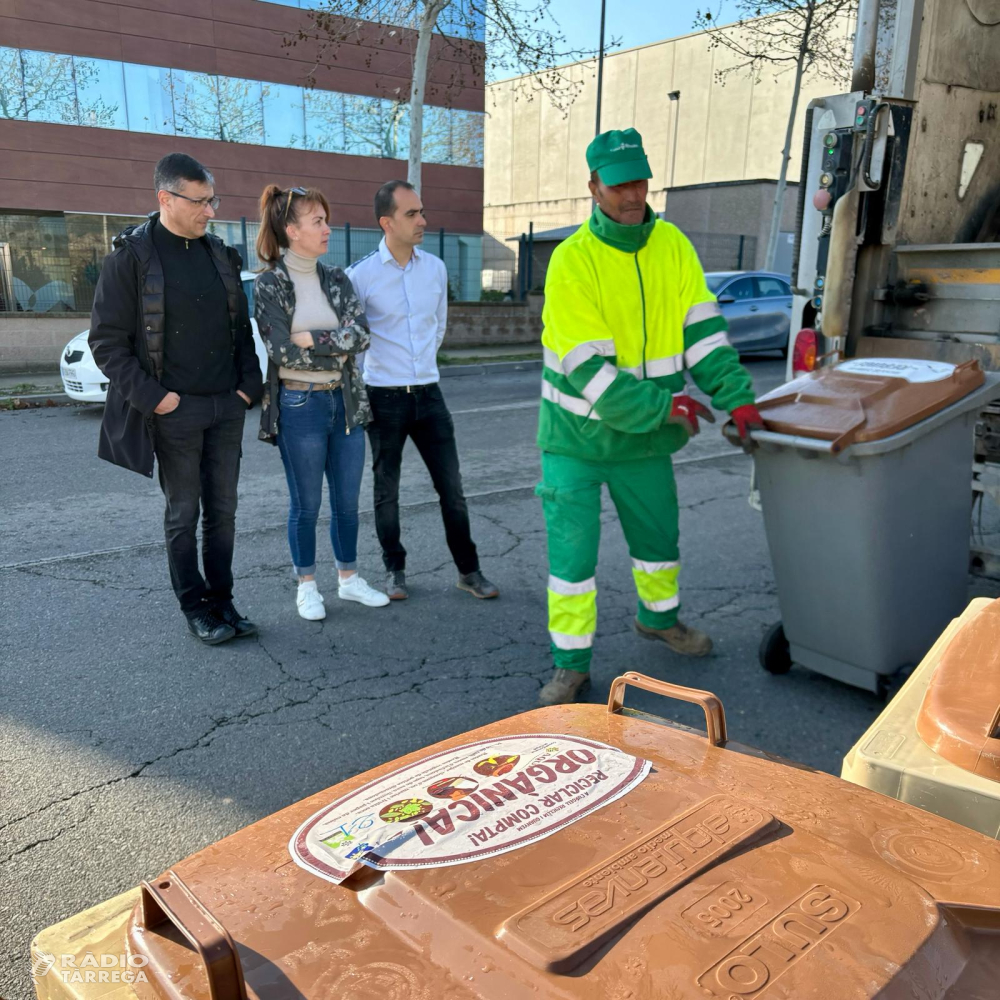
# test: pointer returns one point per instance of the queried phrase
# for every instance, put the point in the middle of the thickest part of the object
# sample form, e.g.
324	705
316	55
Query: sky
636	22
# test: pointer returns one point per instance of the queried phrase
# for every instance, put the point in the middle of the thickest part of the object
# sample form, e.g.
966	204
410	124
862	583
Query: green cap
618	157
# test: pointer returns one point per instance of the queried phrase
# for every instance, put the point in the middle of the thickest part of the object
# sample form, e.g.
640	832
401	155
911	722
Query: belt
306	386
403	388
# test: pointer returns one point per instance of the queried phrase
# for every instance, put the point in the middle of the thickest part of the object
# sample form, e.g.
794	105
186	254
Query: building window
11	84
49	88
148	99
324	118
284	116
100	93
41	279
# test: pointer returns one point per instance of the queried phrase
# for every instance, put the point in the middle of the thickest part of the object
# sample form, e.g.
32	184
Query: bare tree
45	86
785	35
524	39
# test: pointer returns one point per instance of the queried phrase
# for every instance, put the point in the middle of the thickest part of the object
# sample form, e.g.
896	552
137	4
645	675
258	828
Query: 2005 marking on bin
780	944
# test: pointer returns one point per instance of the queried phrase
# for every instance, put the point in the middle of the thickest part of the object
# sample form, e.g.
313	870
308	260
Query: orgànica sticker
467	803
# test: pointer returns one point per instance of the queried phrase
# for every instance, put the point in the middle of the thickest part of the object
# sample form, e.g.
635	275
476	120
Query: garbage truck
897	249
895	272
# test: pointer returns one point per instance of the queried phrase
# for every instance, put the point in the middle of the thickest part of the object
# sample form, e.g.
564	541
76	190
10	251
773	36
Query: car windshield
715	281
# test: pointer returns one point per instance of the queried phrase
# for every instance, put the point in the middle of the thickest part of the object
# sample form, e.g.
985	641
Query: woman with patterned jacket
315	404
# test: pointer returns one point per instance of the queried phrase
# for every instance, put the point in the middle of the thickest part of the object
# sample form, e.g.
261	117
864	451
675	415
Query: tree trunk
786	154
432	8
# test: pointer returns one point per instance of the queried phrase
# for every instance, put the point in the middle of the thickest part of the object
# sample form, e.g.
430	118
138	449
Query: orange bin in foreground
570	852
937	744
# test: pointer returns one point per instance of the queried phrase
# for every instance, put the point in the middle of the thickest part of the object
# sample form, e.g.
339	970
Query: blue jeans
313	440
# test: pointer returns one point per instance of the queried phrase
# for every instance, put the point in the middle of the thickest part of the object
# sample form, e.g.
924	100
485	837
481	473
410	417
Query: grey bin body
870	547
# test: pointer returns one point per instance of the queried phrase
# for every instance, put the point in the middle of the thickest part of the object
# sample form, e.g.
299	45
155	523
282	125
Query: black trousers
422	415
198	449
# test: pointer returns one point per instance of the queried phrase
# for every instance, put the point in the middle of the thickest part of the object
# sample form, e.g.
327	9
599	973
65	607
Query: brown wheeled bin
570	852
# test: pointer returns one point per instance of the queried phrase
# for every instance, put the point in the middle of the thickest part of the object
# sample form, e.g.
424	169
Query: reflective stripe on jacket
620	331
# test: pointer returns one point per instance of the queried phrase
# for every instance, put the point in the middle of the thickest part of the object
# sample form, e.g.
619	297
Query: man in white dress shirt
405	295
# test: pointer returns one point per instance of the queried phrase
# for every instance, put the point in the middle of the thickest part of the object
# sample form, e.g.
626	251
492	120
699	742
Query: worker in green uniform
627	314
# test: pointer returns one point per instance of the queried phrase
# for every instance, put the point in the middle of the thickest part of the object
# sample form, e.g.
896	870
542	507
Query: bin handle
715	714
168	898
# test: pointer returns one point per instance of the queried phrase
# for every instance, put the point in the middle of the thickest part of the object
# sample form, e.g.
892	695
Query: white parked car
84	382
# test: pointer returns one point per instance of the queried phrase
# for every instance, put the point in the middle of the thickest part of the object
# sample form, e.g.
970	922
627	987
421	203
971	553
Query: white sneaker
309	601
354	588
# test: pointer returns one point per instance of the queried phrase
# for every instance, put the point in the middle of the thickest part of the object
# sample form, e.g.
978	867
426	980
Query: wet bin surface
724	873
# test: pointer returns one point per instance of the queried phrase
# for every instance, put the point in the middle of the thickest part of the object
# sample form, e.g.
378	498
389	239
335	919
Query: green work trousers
645	495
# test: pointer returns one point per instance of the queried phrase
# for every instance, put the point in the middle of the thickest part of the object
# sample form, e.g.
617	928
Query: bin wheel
775	656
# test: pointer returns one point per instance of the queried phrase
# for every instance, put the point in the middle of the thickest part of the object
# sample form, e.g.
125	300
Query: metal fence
724	252
461	252
515	264
50	262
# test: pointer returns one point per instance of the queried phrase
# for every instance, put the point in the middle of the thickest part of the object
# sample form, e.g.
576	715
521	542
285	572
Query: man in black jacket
171	330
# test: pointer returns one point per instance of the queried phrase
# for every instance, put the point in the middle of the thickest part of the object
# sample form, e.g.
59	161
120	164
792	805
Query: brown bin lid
726	873
960	714
866	399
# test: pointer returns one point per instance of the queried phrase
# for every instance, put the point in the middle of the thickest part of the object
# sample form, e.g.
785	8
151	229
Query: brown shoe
395	585
477	585
681	638
564	688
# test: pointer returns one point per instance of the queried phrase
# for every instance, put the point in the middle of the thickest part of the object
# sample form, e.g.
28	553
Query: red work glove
685	412
747	418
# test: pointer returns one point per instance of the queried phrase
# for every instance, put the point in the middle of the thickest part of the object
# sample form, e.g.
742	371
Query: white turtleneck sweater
312	312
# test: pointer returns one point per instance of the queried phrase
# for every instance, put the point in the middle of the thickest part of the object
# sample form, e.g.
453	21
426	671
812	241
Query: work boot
477	585
208	627
565	687
395	585
228	615
680	638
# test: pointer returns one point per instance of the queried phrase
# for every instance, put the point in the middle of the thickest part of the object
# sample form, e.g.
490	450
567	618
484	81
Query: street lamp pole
675	100
600	69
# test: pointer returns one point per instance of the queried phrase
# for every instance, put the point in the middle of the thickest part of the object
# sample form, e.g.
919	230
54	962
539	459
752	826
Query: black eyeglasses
291	193
212	202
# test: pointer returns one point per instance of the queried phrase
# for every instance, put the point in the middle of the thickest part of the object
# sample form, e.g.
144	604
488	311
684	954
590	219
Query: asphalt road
126	746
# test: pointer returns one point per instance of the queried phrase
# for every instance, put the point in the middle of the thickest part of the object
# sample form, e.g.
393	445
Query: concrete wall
487	324
34	343
738	209
727	130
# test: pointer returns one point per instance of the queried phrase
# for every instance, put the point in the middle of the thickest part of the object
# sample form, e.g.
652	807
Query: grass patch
29	389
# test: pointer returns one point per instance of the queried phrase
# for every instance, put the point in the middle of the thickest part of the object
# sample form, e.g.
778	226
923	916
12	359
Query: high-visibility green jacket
620	331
